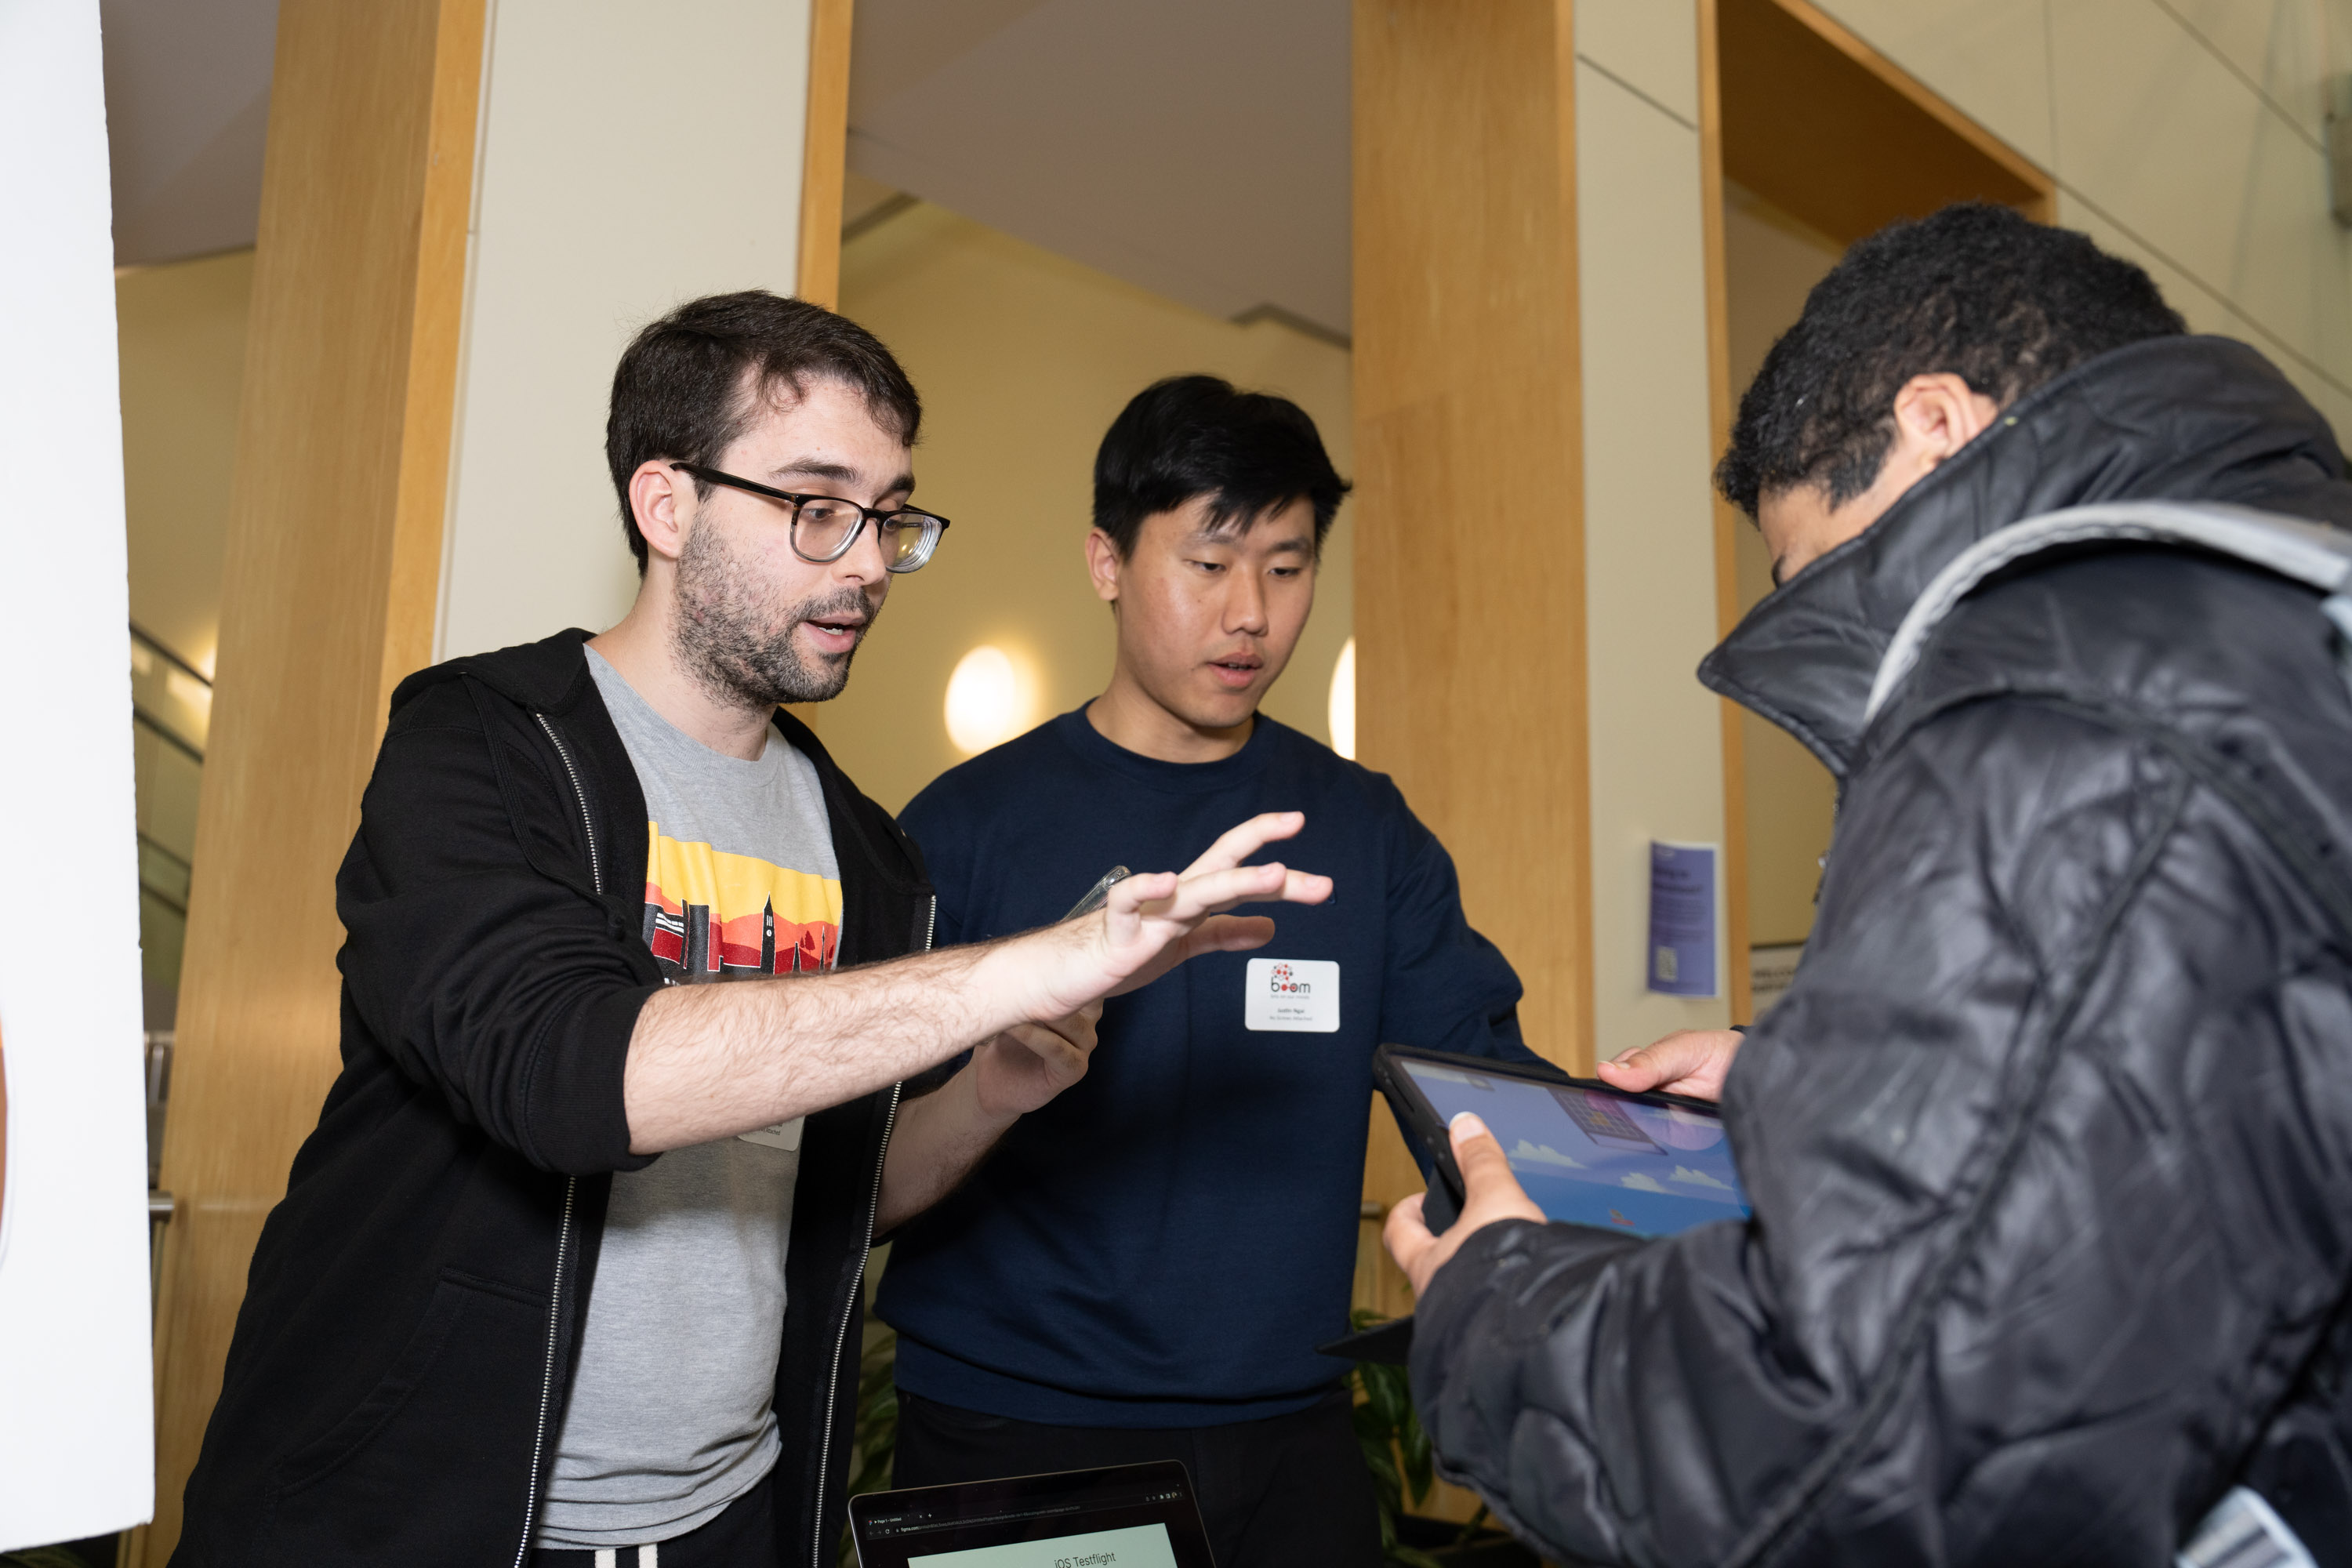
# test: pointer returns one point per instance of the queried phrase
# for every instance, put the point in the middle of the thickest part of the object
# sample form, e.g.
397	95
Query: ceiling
187	102
1196	148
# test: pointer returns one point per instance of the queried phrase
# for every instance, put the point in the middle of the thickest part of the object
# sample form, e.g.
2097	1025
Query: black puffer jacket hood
2050	1143
2173	418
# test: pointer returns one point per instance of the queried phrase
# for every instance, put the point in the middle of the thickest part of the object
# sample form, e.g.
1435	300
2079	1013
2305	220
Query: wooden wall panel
1805	114
1820	125
824	155
1740	983
333	556
824	163
1470	635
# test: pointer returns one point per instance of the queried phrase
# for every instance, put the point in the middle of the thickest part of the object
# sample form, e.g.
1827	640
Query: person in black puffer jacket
2050	1143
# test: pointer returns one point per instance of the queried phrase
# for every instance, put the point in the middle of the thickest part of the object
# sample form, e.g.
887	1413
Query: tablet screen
1594	1158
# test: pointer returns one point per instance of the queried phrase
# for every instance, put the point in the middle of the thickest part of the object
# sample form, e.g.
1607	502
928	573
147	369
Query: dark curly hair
1981	291
678	394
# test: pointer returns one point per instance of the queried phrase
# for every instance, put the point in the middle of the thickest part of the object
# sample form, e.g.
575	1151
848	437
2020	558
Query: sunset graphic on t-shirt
709	914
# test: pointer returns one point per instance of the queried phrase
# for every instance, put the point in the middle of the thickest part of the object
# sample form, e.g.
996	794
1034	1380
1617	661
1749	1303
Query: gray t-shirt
671	1416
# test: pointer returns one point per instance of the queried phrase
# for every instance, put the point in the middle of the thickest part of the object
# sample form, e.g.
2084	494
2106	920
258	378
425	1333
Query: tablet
1134	1516
1649	1164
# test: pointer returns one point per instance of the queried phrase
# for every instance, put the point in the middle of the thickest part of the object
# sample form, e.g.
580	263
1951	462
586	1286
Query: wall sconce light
1342	711
992	697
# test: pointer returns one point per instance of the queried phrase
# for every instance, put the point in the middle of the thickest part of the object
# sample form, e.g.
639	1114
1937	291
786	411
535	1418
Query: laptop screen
1132	1516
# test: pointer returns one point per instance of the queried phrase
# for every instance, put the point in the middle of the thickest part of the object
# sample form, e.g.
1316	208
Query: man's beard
741	653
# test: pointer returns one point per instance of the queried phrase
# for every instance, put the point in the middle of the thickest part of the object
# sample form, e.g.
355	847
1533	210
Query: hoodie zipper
857	1283
587	822
547	1380
571	1187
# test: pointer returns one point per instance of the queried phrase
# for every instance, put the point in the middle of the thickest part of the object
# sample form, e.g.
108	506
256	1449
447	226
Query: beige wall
179	346
1022	359
2185	134
182	348
621	169
1656	734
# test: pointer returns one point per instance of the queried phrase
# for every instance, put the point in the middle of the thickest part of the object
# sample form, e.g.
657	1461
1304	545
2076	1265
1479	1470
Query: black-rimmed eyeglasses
827	528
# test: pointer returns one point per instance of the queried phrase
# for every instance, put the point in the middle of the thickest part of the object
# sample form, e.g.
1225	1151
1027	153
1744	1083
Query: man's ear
1103	566
662	500
1938	414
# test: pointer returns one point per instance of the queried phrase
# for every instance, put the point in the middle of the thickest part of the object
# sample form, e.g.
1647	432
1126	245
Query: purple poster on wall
1682	919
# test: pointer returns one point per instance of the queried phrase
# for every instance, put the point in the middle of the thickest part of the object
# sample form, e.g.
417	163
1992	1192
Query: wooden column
1470	626
824	155
333	564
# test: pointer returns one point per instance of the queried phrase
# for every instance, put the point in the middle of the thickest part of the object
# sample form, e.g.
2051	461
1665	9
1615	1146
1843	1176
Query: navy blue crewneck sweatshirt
1167	1242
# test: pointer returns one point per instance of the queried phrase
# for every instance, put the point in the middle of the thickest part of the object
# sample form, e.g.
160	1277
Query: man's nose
1246	604
864	563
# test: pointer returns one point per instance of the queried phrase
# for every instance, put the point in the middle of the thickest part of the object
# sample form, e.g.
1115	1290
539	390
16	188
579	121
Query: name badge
784	1135
1301	994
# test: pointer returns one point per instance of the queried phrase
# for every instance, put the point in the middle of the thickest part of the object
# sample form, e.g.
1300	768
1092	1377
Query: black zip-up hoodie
411	1325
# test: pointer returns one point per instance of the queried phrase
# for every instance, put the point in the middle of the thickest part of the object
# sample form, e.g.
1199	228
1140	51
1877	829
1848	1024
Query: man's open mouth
838	629
1238	670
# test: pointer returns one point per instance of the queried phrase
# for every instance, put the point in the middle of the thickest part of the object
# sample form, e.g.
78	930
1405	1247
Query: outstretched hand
1490	1193
1155	921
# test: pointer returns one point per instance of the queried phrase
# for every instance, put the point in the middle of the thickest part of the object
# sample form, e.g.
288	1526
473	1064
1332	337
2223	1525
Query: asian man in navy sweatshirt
1142	1270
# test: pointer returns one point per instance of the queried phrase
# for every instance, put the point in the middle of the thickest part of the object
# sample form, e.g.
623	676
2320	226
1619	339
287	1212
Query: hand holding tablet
1509	1141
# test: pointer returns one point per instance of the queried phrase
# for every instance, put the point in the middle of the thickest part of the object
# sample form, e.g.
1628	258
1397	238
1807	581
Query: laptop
1127	1516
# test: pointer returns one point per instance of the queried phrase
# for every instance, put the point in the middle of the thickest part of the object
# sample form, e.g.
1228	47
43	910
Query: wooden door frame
825	154
2026	187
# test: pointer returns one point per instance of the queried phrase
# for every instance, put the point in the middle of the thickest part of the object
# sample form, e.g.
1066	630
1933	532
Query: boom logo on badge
1299	994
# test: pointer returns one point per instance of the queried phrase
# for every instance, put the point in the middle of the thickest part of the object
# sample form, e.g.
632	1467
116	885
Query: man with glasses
568	1272
1143	1270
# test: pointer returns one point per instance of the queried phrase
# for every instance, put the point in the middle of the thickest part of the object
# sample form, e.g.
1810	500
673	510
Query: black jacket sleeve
2051	1201
477	952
